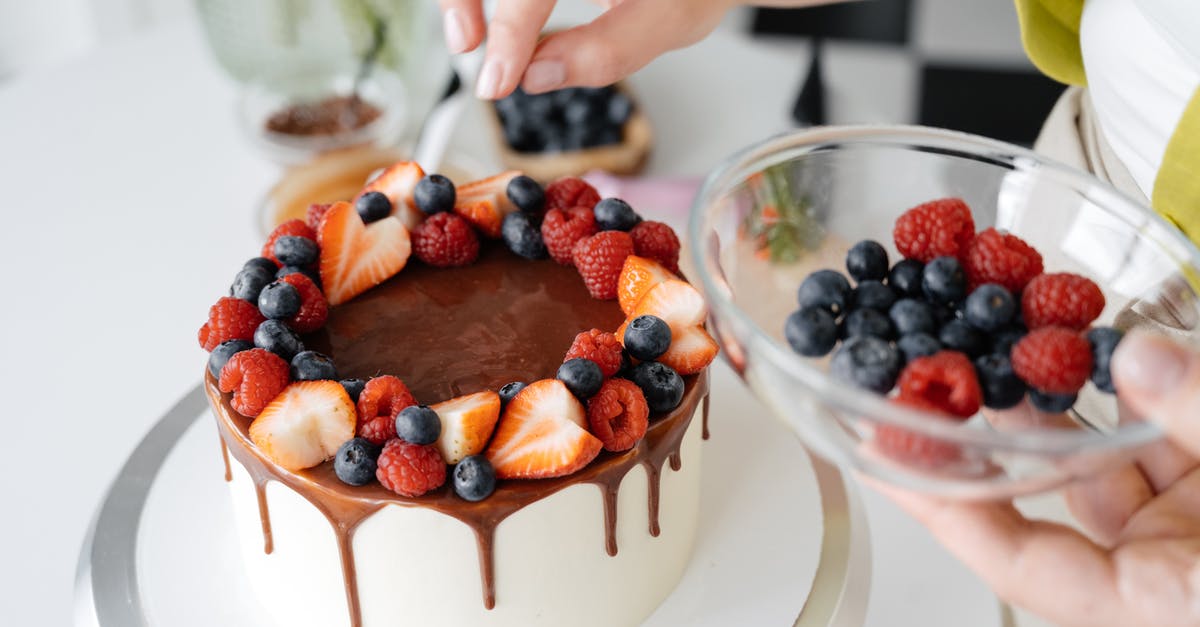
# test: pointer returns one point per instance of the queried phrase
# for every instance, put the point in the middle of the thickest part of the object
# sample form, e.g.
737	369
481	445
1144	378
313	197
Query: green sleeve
1050	34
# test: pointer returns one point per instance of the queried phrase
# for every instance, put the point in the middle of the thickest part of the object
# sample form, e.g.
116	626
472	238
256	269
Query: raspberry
315	213
1057	360
1061	299
313	307
599	346
378	404
229	319
445	240
1003	258
599	259
291	227
904	445
570	191
255	377
656	241
939	228
563	228
945	380
618	414
410	469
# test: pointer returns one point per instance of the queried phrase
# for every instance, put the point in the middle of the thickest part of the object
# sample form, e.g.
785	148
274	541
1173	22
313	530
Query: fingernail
488	85
1153	365
455	33
544	75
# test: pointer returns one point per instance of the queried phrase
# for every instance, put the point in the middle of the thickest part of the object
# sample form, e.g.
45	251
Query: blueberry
279	301
867	261
943	314
576	112
523	236
510	390
647	337
1001	387
867	362
260	262
915	345
373	206
905	278
418	424
250	281
308	272
313	366
989	308
356	461
276	337
872	294
662	386
293	250
614	214
827	289
620	107
1052	403
582	376
957	335
1104	341
474	478
810	331
526	194
910	315
353	387
944	281
867	322
221	354
434	194
1004	339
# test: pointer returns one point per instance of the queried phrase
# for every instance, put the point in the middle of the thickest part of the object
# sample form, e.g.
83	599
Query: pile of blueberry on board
564	120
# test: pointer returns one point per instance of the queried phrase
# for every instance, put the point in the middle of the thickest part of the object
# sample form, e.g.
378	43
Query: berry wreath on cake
474	436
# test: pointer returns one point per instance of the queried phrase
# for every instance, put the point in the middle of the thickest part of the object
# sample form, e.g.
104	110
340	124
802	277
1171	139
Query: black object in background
881	22
809	108
1005	104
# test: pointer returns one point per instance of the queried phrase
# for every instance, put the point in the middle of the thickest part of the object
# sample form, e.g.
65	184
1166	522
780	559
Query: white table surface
127	196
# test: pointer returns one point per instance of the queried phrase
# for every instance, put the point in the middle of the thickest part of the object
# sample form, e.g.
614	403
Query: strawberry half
543	433
682	307
467	423
638	276
692	349
356	257
305	424
397	182
484	203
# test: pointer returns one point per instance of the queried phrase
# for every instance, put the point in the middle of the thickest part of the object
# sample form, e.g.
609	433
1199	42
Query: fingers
512	35
1105	503
1161	380
463	24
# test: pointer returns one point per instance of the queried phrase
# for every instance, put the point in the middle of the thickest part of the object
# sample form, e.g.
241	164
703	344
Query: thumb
1160	380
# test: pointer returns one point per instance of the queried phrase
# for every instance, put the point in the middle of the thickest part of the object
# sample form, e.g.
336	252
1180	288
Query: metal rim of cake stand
106	581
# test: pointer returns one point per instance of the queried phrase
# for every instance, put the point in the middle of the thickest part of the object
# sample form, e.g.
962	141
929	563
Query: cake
554	476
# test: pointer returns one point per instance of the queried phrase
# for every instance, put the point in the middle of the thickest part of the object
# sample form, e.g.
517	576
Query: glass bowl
793	204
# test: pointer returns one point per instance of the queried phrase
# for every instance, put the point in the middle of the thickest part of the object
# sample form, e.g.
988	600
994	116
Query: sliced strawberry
692	349
305	424
467	423
638	276
356	257
679	305
543	433
397	182
484	203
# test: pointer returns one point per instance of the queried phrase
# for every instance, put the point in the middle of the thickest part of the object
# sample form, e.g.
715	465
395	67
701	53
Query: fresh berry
315	213
445	240
910	315
222	353
313	308
355	462
373	206
692	350
229	319
254	377
938	228
1001	258
1061	299
277	337
647	337
523	236
582	376
599	259
293	250
914	345
1004	339
279	301
660	384
261	262
434	194
509	391
827	289
570	191
1001	386
418	424
638	276
618	415
867	261
943	281
543	433
614	214
289	228
867	322
484	203
410	469
1056	360
657	241
474	478
249	282
867	362
527	195
871	294
356	257
398	182
304	425
1052	403
914	448
1103	341
312	273
382	398
563	228
601	347
959	336
682	307
467	423
312	366
354	388
946	379
989	308
905	278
